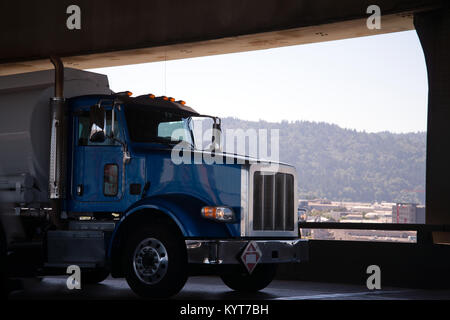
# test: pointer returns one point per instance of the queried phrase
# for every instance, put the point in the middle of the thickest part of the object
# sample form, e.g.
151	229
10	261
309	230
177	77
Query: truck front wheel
241	280
155	262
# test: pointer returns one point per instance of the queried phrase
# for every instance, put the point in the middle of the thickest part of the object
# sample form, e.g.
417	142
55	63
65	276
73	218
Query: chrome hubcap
150	261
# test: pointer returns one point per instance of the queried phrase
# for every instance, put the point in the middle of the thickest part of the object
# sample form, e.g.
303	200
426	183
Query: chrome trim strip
244	200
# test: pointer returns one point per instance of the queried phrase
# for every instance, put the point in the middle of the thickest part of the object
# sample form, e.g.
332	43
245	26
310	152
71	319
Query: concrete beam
114	34
259	41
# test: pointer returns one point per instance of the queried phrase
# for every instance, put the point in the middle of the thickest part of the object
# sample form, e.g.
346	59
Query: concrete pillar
433	29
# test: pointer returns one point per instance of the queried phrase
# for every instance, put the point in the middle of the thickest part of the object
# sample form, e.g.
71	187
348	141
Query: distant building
408	213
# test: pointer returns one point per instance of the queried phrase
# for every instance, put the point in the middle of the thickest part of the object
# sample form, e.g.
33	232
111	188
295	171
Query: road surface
212	288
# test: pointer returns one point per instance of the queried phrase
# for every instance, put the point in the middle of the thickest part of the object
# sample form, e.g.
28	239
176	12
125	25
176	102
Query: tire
242	281
155	262
94	276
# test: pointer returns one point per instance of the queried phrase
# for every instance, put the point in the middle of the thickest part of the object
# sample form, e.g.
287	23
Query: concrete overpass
131	32
137	31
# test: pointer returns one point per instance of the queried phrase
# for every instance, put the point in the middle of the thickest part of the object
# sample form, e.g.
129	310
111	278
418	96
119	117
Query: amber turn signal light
222	214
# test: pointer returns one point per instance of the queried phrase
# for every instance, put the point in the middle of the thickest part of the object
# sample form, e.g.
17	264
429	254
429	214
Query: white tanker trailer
25	129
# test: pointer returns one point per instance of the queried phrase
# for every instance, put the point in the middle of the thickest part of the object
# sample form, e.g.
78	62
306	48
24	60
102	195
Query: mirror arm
126	153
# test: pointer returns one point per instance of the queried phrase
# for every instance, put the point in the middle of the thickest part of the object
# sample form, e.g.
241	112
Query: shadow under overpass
423	264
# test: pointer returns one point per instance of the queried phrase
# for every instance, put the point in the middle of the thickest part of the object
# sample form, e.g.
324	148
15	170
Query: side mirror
97	121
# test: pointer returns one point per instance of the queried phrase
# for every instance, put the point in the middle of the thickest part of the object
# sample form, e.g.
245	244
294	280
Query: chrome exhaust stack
58	152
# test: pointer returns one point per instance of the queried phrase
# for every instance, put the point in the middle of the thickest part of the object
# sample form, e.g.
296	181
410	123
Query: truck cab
143	199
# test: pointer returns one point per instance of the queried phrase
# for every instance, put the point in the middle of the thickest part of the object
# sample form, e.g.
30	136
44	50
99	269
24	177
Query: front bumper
229	251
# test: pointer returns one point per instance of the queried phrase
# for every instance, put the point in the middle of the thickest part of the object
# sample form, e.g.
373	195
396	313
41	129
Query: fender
184	210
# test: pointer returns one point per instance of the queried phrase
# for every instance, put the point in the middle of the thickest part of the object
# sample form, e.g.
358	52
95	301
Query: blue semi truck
87	179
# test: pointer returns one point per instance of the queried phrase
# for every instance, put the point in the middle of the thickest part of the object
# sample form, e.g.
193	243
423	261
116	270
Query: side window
84	130
110	180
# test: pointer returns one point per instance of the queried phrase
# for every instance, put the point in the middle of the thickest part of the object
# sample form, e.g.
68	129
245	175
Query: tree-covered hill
342	164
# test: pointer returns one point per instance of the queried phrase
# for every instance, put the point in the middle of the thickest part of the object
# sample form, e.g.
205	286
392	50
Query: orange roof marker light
181	102
164	98
171	99
151	96
124	93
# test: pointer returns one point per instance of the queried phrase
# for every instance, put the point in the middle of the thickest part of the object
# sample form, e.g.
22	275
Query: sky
376	83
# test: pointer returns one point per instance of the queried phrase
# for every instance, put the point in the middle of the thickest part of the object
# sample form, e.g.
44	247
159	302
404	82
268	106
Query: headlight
222	214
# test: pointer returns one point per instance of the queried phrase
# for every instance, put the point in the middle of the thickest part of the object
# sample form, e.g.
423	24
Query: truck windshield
148	125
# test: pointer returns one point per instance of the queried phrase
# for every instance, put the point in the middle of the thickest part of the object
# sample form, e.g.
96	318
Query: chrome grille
273	201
